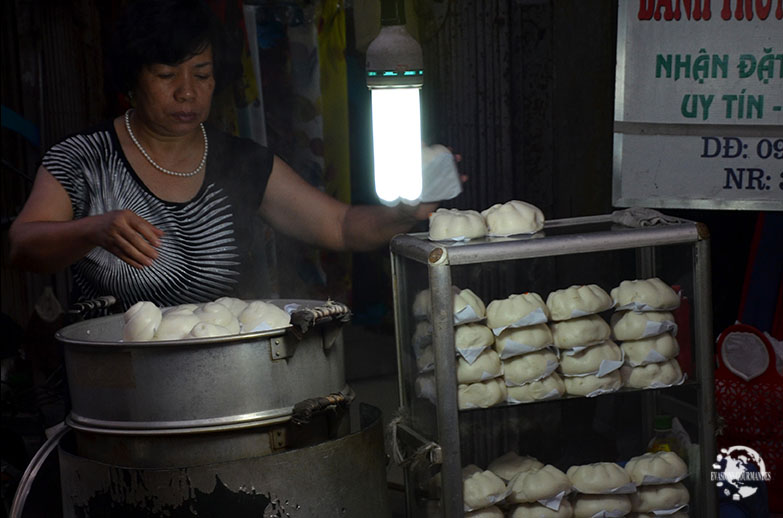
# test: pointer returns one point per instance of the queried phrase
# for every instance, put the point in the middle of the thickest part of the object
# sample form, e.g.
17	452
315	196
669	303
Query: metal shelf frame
559	237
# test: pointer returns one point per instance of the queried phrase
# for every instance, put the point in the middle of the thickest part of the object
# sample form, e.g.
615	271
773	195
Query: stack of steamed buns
521	349
517	486
144	321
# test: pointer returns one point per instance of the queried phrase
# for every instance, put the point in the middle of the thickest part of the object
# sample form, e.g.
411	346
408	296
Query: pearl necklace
163	169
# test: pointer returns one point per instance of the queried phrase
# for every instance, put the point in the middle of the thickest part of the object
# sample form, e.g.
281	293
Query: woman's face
173	99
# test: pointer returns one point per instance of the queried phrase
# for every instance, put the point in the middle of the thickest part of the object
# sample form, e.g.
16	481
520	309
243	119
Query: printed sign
699	104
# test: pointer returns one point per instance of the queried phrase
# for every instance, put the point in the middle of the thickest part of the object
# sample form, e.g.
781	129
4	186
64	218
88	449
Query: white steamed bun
660	497
517	310
513	217
645	294
511	463
598	478
536	510
481	488
483	394
529	367
176	325
261	316
652	375
551	387
589	360
486	366
456	224
655	349
581	331
653	467
635	325
219	315
577	301
538	484
141	321
584	385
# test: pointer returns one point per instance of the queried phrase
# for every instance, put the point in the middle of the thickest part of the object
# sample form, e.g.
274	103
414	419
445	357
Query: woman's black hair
167	32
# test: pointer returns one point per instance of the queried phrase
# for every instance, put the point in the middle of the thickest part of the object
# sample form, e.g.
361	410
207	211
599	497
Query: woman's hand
128	236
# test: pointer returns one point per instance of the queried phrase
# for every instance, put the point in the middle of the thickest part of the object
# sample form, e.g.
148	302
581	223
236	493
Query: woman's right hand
128	236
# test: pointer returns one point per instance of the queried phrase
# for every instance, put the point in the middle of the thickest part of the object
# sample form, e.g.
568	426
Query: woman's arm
296	208
45	238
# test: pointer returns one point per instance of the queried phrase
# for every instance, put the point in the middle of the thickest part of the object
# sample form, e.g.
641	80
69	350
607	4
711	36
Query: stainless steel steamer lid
210	383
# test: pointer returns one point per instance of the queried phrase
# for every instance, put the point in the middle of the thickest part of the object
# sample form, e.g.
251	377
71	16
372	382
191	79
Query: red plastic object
753	412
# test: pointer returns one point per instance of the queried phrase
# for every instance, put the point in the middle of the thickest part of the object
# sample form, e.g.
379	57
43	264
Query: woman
155	205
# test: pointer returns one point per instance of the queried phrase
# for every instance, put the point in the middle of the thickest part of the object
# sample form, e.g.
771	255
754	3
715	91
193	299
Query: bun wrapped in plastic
551	387
529	367
141	321
656	349
511	463
520	340
635	325
513	217
481	488
589	360
645	295
651	468
598	478
577	301
652	375
535	510
486	366
539	484
660	497
483	394
587	506
578	332
519	310
587	385
456	224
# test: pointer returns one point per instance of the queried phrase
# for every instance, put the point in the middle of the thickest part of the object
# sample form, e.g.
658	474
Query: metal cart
435	436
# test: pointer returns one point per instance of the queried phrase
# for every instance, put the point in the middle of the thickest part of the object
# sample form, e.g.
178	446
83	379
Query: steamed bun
513	217
550	387
586	385
646	295
589	360
261	316
481	488
141	321
538	484
652	375
664	496
483	394
577	301
656	349
577	332
598	478
486	366
635	325
219	315
664	465
517	310
456	224
511	463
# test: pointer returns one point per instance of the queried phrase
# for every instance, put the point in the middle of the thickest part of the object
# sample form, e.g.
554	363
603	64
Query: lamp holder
394	59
